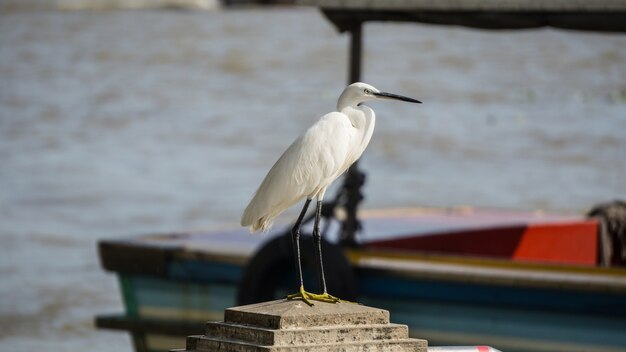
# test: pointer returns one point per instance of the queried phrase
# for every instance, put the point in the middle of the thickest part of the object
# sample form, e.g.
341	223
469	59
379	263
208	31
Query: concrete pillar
291	325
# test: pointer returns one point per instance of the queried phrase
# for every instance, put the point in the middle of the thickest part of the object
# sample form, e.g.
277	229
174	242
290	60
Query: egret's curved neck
347	99
362	118
369	121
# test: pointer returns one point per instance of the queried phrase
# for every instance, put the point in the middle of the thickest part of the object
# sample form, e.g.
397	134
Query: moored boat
514	280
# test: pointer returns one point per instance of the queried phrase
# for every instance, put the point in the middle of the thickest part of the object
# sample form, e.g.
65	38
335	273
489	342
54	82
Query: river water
125	122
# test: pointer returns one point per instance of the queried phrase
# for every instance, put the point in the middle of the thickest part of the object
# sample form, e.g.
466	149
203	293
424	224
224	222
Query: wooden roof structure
593	15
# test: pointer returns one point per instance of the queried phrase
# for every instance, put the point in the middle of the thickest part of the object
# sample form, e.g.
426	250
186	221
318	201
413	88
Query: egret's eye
367	91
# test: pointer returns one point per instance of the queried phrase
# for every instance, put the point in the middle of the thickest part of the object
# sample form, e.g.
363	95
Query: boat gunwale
401	264
492	271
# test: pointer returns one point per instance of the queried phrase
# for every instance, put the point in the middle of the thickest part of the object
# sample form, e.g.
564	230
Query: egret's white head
360	92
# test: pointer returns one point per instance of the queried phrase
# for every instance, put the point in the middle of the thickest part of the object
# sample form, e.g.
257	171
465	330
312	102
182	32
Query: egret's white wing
307	167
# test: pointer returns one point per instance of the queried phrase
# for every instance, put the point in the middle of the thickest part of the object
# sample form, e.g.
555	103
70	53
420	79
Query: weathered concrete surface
296	336
284	314
291	325
203	344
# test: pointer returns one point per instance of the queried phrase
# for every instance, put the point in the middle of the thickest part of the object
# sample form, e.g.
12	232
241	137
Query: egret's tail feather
263	224
263	209
256	223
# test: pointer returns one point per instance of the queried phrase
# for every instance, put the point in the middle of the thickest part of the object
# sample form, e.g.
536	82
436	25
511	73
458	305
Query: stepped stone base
291	325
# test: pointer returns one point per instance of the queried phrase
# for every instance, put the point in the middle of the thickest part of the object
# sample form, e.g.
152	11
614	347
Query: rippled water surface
115	123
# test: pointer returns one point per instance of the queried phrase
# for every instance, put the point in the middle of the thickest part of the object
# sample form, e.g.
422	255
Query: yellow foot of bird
307	297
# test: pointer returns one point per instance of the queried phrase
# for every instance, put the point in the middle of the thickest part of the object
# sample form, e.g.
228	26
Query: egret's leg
295	236
317	239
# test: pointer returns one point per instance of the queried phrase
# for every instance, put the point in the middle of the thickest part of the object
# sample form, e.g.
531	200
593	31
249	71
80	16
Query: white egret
312	162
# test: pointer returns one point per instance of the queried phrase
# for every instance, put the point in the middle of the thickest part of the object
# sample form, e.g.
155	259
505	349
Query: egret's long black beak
396	97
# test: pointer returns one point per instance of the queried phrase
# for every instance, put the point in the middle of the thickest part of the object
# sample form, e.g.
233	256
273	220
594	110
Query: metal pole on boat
356	32
354	178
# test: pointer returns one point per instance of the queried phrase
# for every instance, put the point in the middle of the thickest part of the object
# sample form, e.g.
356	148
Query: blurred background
121	118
